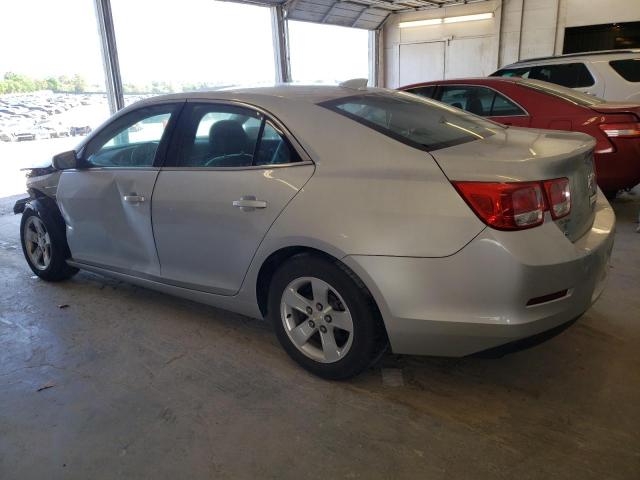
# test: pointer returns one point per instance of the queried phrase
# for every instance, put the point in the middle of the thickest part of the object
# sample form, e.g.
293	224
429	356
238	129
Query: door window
628	69
423	91
513	72
503	107
220	136
482	101
131	140
572	75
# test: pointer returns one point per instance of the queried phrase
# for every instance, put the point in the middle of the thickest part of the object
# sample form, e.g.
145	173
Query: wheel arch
276	258
47	207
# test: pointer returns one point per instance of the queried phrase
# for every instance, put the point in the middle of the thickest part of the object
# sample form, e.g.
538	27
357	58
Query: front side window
131	140
478	100
628	69
572	75
413	120
219	136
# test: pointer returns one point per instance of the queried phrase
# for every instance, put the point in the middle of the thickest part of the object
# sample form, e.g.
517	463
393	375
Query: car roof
302	93
632	52
467	80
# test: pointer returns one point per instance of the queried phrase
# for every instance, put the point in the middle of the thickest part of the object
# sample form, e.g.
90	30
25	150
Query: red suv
532	103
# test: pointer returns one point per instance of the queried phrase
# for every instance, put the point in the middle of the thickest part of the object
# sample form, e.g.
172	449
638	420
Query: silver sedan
355	219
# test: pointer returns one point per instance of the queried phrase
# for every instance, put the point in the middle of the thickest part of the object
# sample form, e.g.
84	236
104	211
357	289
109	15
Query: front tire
44	245
324	317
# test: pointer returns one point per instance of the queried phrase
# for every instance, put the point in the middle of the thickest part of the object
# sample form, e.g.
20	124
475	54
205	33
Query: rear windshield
565	93
413	120
628	69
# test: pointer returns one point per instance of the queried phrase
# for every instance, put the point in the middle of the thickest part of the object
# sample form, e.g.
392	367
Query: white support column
280	44
375	37
110	62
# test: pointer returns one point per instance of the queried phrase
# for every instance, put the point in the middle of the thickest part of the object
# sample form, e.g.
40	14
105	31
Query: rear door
106	203
229	175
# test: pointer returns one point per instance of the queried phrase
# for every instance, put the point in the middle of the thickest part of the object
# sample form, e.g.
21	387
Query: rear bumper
477	299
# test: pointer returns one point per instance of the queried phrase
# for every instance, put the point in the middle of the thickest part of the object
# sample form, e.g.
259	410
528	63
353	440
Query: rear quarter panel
371	195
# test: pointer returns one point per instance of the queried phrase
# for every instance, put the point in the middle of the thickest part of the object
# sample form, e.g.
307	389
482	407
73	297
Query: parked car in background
532	103
76	130
6	135
612	74
56	129
392	224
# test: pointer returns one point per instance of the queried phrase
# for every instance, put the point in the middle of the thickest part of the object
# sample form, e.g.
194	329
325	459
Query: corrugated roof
367	14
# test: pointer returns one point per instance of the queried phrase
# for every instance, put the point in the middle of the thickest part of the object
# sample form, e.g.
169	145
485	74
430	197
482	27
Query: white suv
612	74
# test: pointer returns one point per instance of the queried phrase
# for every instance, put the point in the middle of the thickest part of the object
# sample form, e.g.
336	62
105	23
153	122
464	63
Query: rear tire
44	245
324	317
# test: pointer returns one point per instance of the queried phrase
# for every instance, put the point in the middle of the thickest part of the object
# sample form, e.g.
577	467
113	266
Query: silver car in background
353	218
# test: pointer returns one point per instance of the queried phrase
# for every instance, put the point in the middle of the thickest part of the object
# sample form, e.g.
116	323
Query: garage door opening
327	53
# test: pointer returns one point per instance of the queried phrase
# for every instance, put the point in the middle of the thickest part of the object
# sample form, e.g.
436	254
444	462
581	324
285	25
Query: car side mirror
65	160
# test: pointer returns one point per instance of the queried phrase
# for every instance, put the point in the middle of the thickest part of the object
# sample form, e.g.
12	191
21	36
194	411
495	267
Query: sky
190	41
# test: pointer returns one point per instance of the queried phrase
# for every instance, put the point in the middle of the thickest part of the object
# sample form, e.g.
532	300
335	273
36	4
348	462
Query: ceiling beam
362	12
329	12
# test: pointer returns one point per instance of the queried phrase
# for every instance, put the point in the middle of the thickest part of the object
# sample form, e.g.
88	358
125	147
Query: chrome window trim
93	169
442	85
229	169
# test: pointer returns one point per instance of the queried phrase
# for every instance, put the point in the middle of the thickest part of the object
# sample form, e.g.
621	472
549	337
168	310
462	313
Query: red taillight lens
621	130
558	196
505	206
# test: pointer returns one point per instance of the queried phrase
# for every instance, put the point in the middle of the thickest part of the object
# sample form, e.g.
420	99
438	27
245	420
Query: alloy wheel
316	319
37	243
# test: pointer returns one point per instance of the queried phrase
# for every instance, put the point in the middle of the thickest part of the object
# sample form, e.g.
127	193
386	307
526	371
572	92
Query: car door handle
134	198
249	203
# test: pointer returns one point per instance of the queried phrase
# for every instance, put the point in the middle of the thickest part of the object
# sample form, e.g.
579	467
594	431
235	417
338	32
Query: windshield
569	94
413	120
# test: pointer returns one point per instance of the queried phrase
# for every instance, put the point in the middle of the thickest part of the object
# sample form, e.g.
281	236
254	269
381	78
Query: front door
106	203
226	181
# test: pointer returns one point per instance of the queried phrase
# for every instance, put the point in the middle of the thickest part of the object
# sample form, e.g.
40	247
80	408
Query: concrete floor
144	385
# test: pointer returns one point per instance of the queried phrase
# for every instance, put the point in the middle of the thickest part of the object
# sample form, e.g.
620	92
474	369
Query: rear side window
426	92
412	120
627	69
503	107
228	136
513	72
478	100
572	75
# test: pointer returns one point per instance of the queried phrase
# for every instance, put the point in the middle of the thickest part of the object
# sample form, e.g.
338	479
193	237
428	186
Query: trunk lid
518	155
614	108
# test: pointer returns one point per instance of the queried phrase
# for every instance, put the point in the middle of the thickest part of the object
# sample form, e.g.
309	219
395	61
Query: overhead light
420	23
468	18
438	21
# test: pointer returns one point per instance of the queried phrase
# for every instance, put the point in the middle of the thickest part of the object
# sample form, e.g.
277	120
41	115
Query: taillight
621	130
558	196
505	206
517	205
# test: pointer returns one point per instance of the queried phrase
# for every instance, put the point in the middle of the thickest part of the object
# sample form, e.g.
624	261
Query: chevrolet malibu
354	219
